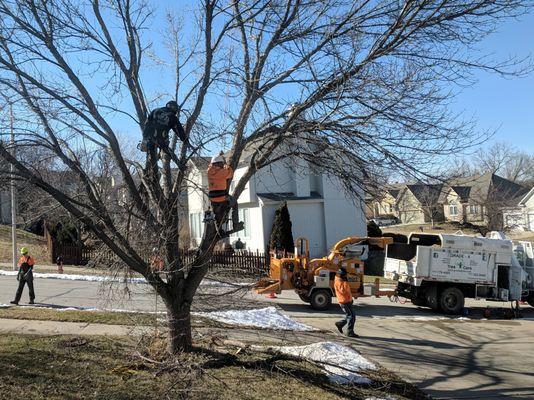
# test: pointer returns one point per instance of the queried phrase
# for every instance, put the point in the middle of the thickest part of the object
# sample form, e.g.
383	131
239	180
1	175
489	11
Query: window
196	226
473	209
243	216
453	209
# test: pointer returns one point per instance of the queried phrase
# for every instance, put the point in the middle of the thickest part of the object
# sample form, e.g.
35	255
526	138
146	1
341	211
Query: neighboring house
318	206
420	203
385	203
485	199
522	216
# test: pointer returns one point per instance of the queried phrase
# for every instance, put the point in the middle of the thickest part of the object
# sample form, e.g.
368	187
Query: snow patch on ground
74	277
381	398
101	278
269	317
341	363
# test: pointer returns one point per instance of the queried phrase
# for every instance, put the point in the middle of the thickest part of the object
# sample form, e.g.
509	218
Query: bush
281	234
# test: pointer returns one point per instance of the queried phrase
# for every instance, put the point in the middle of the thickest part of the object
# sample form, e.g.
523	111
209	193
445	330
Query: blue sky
495	103
499	103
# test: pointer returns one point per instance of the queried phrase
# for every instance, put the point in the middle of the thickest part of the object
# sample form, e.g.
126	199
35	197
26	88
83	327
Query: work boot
352	335
340	325
14	302
238	226
31	302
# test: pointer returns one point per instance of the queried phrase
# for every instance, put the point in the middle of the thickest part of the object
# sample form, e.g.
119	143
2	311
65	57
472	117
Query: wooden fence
231	263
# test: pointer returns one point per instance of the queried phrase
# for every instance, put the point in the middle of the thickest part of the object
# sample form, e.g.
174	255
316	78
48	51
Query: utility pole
13	194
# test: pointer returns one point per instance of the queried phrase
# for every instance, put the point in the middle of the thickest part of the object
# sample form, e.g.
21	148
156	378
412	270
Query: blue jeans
350	316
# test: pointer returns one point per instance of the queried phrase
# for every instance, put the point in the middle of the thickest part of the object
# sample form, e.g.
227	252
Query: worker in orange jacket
25	276
344	298
220	175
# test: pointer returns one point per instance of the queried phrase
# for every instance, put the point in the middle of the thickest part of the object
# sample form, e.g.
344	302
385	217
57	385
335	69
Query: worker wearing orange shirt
25	275
219	177
344	298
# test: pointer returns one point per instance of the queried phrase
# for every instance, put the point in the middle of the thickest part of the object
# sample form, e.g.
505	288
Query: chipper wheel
321	299
304	297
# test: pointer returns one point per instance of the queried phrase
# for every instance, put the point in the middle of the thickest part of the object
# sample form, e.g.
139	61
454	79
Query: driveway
449	358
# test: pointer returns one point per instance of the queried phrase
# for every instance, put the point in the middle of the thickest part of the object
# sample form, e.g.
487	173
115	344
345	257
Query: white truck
440	271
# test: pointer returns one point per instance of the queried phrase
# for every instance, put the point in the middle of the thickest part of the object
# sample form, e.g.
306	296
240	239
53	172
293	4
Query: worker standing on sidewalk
219	176
344	298
25	275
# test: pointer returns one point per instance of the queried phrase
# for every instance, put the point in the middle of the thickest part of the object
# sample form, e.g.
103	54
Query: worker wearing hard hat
219	176
25	275
344	298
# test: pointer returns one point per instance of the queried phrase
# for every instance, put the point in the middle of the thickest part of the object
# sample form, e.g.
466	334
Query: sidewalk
34	327
52	268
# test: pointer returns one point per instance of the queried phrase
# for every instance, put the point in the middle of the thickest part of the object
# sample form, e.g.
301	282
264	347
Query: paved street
448	358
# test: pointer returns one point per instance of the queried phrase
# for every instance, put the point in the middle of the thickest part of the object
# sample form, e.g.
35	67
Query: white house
318	206
522	216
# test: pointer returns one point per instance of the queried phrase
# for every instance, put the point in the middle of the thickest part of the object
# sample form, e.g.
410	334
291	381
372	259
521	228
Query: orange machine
313	280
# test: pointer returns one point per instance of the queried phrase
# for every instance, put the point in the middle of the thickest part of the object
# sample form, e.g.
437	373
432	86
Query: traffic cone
271	295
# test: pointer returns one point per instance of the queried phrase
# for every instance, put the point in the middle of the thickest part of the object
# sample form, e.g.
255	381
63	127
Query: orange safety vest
342	289
218	182
27	259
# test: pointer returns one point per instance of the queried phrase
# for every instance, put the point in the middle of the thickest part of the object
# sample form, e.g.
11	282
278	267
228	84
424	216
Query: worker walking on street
219	176
25	276
344	298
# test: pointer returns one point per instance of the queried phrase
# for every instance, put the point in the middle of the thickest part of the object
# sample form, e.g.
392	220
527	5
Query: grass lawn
95	317
69	367
35	244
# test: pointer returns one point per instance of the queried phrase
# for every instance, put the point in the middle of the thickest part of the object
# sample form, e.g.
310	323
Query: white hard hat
217	159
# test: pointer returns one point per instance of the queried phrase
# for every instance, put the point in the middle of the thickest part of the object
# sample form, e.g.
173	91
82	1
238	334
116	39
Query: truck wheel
321	299
452	300
304	297
431	298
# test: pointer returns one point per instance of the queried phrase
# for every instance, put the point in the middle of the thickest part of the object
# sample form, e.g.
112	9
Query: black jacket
160	121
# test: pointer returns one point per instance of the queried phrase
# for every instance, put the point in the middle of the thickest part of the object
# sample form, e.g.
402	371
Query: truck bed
443	264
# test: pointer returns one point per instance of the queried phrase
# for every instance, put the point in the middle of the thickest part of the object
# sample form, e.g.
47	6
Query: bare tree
431	205
367	81
507	161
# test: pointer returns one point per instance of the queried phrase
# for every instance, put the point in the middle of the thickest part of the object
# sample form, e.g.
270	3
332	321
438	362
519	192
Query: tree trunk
179	325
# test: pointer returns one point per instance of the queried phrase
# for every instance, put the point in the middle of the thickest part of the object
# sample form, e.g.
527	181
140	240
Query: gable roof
201	163
483	186
463	192
526	197
426	194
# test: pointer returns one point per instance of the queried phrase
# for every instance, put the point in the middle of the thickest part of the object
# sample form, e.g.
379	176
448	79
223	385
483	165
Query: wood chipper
313	280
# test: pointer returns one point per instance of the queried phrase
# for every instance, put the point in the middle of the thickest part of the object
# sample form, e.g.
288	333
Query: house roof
395	189
201	162
287	196
462	191
525	198
426	194
489	184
